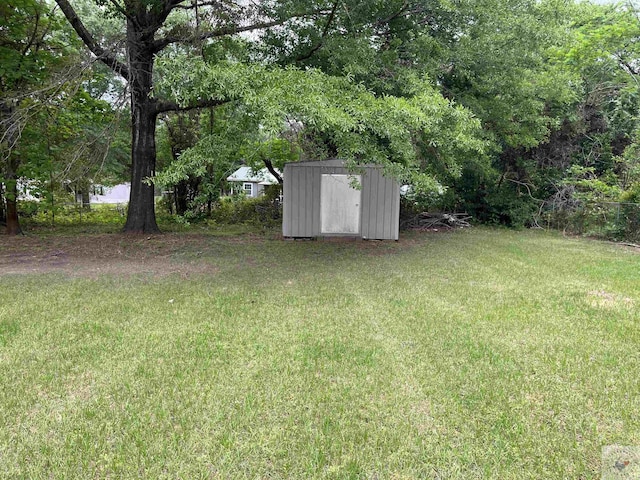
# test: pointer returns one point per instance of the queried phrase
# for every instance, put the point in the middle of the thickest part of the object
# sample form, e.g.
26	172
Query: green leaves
362	127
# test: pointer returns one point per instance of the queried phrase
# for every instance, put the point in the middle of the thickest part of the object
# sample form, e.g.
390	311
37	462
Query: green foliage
590	188
490	200
597	206
632	194
488	106
500	69
30	208
264	210
361	126
52	130
67	216
33	45
558	97
277	151
68	140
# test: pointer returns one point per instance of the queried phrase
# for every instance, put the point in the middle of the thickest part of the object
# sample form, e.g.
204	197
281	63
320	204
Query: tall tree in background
37	59
153	26
357	83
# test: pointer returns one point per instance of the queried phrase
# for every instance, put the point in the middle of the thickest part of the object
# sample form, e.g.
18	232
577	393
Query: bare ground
95	255
104	254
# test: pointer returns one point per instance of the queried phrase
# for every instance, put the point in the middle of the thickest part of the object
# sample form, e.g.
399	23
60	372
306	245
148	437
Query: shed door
339	204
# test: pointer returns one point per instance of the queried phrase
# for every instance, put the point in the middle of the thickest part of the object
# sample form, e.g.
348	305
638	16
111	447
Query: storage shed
320	201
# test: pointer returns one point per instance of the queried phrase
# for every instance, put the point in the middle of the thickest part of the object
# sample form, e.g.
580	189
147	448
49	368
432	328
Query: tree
154	26
182	131
351	122
36	56
602	165
558	91
500	65
276	33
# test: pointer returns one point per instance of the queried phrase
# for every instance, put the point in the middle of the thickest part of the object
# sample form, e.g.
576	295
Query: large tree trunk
13	222
141	215
185	192
9	164
86	198
181	190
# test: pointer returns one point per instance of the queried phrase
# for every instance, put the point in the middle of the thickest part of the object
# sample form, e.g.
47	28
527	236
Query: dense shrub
27	209
263	210
610	221
41	213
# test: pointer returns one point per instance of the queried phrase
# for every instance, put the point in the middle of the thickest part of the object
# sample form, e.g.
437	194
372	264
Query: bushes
608	220
264	210
587	205
43	214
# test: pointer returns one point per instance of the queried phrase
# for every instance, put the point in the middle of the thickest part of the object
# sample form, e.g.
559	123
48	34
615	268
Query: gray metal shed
320	201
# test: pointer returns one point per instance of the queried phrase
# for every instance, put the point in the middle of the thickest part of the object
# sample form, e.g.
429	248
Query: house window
248	189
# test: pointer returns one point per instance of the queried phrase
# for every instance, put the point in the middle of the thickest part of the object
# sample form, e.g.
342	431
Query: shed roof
247	174
317	163
334	162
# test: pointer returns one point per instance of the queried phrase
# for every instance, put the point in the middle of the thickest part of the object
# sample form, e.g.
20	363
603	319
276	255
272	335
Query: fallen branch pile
427	221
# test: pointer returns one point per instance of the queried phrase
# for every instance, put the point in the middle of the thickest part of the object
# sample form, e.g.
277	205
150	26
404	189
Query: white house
111	195
26	189
251	182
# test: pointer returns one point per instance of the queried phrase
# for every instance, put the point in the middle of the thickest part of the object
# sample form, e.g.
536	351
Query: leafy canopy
363	127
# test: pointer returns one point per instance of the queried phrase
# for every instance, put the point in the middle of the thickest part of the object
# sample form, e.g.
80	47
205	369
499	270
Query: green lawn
473	354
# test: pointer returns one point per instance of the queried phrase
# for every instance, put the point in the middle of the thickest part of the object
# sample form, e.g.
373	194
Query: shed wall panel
301	216
305	204
308	201
294	202
378	207
382	214
286	206
366	199
369	211
381	207
315	205
386	222
395	209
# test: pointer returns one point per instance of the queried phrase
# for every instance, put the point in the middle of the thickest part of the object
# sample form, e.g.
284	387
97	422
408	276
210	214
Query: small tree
37	59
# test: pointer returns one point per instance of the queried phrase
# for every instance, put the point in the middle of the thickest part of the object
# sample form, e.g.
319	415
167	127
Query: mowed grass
473	354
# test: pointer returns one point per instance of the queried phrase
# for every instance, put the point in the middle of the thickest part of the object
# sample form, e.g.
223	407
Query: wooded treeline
519	112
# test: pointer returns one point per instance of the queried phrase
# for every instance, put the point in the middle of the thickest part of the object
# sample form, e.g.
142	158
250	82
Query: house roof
247	174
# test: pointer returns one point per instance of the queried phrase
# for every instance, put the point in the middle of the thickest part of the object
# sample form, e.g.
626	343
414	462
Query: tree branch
630	69
119	8
272	170
105	57
191	6
325	31
169	106
393	16
161	43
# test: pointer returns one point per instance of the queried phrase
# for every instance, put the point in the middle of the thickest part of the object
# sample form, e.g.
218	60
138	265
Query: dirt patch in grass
184	254
97	255
603	299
